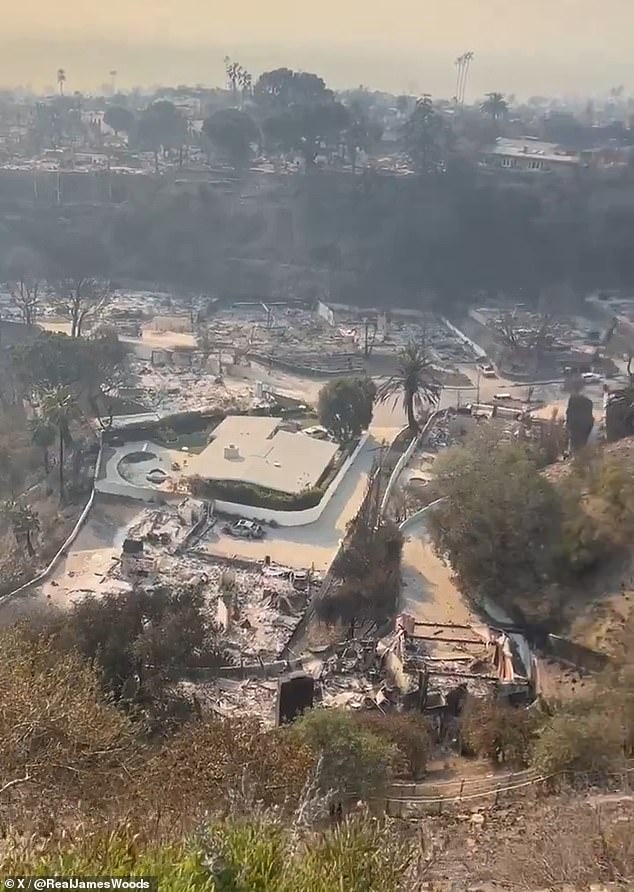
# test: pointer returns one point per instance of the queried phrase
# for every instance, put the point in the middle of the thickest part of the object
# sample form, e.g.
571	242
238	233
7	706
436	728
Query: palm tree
245	82
232	70
61	80
43	435
24	521
60	409
495	106
415	381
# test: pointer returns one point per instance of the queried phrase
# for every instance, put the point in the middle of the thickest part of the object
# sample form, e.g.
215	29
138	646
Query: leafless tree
82	299
526	339
25	283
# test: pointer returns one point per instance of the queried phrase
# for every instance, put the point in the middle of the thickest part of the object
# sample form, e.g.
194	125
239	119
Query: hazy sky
521	46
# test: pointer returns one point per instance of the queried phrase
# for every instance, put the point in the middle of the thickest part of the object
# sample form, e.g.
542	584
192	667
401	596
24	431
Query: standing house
530	155
257	451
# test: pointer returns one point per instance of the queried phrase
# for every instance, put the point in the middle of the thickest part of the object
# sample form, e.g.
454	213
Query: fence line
472	780
497	790
460	798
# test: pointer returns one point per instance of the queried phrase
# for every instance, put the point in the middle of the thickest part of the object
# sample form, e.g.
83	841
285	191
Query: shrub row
255	496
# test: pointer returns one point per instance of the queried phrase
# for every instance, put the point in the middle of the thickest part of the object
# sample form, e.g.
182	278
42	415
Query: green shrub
179	867
497	732
409	732
255	854
354	761
589	741
255	496
260	856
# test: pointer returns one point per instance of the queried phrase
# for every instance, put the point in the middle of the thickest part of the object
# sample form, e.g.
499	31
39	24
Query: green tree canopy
161	126
90	368
232	132
306	128
60	409
142	641
119	118
354	760
426	136
345	407
283	87
499	523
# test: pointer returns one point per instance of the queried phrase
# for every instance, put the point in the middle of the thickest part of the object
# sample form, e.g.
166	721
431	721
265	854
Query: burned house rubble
255	608
394	673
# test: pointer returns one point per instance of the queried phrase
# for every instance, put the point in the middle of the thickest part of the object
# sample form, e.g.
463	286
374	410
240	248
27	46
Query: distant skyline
547	47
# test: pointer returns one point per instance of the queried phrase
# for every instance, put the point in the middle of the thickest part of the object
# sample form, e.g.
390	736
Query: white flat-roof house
530	155
254	450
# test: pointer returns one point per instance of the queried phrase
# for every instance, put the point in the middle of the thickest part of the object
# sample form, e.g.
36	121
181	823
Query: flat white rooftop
533	149
253	450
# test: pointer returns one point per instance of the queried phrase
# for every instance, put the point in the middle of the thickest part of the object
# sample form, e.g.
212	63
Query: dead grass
569	841
623	450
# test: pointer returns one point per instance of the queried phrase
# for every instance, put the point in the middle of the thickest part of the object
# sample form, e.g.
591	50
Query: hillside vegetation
535	538
210	803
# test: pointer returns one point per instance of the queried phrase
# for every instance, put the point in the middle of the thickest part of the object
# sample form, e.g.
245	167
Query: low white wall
419	515
477	349
404	459
131	491
293	518
69	540
398	468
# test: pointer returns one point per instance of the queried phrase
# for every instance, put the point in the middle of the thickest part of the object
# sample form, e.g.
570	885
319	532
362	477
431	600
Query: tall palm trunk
412	423
61	465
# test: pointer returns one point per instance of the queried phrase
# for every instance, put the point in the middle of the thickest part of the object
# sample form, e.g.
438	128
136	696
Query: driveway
313	544
429	593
